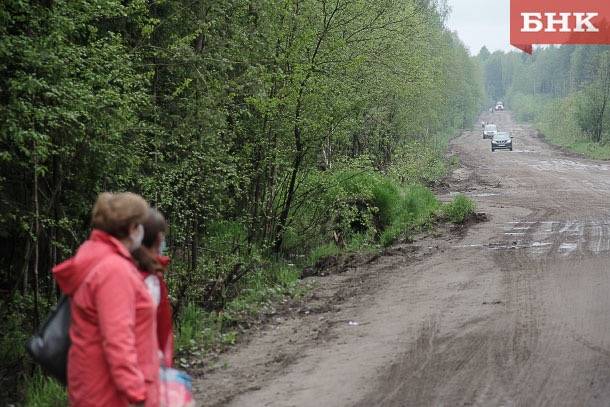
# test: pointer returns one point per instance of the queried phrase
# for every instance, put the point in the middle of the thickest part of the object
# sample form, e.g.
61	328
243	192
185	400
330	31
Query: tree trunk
296	166
36	239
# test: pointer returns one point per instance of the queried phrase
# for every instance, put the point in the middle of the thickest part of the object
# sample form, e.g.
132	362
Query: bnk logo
562	22
559	22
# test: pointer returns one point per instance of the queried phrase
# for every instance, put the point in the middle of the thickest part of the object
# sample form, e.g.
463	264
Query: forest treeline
564	90
262	129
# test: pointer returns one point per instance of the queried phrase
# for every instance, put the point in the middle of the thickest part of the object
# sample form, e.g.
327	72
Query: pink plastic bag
175	388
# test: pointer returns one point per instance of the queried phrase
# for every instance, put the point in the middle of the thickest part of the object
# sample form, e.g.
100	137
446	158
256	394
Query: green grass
42	391
587	148
199	331
414	208
458	210
190	327
320	252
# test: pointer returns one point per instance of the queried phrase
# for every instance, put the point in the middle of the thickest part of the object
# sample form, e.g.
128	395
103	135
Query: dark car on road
502	141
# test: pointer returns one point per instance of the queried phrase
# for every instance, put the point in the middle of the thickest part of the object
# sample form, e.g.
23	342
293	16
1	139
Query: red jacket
113	359
165	335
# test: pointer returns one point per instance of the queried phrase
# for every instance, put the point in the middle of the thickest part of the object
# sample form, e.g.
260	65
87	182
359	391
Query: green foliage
413	209
190	327
15	327
320	252
43	391
218	115
419	162
458	210
362	205
199	330
562	122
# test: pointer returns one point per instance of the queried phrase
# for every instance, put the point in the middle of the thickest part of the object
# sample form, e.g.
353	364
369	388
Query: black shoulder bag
49	347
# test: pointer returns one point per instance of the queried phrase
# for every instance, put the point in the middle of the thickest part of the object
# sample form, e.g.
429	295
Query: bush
419	162
320	252
199	330
459	209
387	200
415	209
355	206
190	326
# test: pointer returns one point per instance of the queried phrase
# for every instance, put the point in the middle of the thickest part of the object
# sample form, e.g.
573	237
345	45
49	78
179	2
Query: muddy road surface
515	312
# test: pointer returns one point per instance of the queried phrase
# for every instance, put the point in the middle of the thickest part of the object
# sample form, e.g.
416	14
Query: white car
490	131
499	106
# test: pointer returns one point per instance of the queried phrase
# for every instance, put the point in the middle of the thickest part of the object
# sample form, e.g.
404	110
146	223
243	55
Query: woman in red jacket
153	265
113	359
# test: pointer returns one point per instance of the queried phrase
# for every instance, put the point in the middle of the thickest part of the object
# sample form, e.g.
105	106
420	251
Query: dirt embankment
513	311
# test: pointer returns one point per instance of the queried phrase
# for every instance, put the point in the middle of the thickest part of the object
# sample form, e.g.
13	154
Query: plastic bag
49	347
175	388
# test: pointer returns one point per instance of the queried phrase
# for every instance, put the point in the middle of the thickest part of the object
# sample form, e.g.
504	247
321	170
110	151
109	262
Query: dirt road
516	312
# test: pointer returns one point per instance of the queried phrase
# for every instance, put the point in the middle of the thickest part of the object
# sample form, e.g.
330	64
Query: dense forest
564	90
268	132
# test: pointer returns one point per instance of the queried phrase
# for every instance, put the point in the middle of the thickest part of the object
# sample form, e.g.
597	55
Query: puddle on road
525	151
567	248
476	194
565	238
567	166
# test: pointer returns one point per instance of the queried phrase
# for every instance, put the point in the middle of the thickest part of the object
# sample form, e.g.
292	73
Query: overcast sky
481	22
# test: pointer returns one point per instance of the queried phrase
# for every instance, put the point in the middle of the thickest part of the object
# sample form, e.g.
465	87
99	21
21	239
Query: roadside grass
199	332
557	121
587	148
322	251
414	210
390	210
42	391
459	209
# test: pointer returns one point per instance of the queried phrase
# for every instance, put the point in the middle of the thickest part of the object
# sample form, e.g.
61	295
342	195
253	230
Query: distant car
502	141
490	131
499	106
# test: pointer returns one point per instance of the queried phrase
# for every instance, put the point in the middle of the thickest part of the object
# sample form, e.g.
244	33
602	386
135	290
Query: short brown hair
114	212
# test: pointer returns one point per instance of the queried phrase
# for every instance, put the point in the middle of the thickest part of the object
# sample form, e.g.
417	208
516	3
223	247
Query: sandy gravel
515	312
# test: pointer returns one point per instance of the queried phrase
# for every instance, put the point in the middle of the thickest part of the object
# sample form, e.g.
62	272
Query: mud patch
338	264
471	220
